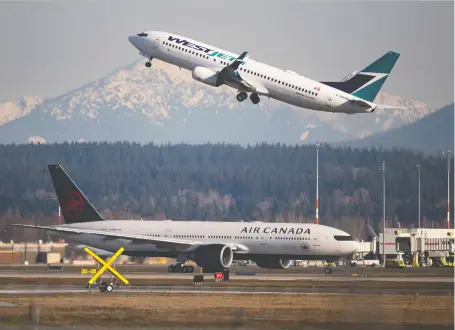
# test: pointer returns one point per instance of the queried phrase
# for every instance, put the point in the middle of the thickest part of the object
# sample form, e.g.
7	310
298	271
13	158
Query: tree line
224	182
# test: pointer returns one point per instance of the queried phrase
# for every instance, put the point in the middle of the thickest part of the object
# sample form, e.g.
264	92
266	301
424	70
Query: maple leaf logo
73	204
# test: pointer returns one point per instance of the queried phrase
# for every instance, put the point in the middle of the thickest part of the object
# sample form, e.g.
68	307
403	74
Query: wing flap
231	76
158	241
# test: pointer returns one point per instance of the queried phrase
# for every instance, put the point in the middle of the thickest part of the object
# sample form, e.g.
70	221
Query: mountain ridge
414	136
164	104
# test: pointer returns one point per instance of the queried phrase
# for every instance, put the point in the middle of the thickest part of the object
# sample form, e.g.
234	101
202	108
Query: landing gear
242	96
254	98
328	268
179	268
149	63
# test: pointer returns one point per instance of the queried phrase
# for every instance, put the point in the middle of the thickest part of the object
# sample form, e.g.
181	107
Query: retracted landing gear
242	96
180	268
254	98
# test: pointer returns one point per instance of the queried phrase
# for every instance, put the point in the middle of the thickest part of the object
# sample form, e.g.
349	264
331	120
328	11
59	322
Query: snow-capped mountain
12	110
164	104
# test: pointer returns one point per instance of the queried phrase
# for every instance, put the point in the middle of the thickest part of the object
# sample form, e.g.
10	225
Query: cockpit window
343	238
142	34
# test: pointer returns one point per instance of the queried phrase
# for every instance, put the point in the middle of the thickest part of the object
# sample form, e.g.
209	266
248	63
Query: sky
50	47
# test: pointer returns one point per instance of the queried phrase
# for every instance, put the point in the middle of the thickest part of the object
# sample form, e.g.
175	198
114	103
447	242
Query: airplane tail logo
367	83
75	206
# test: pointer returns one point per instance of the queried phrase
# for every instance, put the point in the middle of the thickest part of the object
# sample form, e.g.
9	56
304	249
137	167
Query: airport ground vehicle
394	264
365	262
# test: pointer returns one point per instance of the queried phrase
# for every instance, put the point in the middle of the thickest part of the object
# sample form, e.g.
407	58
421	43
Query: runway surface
296	271
233	276
73	289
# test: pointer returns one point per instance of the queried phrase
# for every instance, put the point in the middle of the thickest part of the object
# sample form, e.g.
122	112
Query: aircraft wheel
148	64
241	96
254	98
328	270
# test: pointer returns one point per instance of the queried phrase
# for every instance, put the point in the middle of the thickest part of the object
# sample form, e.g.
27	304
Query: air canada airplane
216	67
213	245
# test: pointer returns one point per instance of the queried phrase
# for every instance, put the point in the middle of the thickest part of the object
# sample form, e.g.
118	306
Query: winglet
239	60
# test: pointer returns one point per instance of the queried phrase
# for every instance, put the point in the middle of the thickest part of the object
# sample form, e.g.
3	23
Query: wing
231	76
160	242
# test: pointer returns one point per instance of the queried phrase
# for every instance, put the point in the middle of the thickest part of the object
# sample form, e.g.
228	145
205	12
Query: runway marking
208	291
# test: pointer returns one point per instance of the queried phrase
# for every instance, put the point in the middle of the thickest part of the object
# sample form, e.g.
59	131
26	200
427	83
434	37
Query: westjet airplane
215	67
213	245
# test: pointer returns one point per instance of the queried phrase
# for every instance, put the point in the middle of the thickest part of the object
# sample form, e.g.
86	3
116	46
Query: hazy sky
50	47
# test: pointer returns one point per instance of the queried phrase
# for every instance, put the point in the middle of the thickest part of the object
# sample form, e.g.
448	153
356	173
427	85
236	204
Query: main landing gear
242	96
253	97
148	64
179	268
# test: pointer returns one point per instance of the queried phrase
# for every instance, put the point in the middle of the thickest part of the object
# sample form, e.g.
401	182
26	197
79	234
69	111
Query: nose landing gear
328	268
148	64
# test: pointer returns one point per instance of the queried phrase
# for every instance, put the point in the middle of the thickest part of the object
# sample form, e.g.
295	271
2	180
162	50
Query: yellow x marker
106	265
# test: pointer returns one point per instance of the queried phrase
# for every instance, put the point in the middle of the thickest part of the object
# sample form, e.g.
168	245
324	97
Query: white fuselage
283	85
298	241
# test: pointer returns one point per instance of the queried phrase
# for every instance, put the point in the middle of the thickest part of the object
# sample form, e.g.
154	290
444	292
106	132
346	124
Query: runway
355	276
40	280
296	271
73	289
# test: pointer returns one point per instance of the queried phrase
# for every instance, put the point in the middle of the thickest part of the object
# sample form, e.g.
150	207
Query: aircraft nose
133	40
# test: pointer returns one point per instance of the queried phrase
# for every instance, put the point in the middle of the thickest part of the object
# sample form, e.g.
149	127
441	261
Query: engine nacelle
206	76
272	263
214	257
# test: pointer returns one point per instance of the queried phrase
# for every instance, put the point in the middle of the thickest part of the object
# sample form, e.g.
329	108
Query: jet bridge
409	241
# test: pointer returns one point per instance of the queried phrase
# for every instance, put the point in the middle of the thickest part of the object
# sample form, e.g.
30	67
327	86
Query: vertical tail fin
75	206
367	83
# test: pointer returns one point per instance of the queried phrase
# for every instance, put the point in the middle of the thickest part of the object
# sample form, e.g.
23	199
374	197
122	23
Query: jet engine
214	257
272	263
206	76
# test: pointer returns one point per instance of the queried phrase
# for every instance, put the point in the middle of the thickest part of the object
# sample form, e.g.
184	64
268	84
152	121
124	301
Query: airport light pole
418	166
383	213
448	188
317	145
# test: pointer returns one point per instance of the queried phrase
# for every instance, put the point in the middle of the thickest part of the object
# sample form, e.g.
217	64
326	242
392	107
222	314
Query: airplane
216	67
212	245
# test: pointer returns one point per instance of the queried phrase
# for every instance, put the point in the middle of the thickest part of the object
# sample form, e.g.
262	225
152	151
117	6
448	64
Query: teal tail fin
367	83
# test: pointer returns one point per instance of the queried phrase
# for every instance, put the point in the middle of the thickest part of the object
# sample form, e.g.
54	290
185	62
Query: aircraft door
328	103
263	240
156	43
168	234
